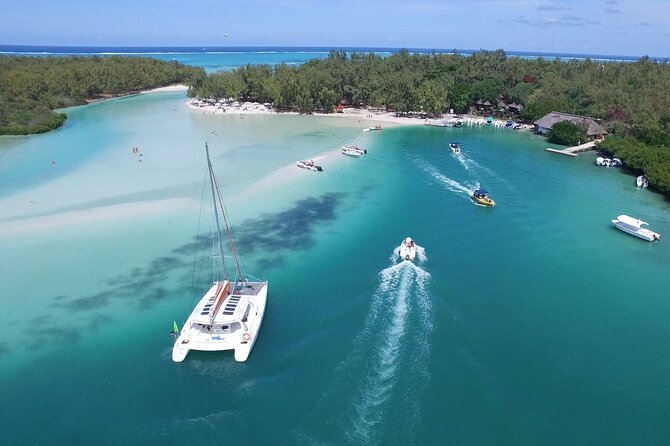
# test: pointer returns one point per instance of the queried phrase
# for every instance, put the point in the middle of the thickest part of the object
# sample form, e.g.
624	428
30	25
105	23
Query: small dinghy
642	181
408	249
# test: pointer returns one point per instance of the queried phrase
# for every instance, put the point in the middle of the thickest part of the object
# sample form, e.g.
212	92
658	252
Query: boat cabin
480	193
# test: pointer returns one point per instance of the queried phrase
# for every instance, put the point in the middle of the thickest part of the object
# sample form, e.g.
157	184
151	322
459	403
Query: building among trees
591	127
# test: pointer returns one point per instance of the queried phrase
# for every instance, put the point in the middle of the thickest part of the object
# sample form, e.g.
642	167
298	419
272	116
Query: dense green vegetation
567	133
652	161
631	100
32	87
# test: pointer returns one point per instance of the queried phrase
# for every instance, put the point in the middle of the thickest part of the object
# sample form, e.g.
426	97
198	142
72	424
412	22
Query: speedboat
455	147
408	249
482	197
309	165
376	127
642	181
616	162
600	161
634	226
353	151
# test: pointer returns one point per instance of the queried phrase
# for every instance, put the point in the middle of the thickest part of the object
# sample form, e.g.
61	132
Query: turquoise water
534	322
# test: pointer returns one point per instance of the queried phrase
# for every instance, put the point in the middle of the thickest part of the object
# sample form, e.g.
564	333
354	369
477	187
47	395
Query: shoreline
90	216
176	87
369	116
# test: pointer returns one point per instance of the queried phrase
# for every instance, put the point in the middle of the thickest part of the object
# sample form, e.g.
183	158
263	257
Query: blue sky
613	27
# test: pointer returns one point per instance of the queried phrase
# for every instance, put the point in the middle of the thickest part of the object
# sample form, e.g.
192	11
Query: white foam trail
466	162
379	385
451	184
397	285
421	254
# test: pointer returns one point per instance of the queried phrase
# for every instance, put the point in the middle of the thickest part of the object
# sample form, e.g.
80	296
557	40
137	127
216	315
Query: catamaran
229	315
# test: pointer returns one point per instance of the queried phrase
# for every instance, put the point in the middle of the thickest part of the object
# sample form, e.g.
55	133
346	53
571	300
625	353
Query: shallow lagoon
532	322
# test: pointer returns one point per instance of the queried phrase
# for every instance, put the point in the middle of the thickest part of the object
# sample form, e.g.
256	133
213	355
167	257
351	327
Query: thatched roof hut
593	129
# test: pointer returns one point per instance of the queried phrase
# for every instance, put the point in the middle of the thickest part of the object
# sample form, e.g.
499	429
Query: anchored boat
642	182
229	315
309	165
634	226
354	151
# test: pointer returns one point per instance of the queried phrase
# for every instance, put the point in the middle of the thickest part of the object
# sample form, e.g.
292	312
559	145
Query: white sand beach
92	216
367	117
178	87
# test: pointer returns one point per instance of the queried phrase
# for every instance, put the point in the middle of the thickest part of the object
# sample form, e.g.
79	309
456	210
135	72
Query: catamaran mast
212	181
215	186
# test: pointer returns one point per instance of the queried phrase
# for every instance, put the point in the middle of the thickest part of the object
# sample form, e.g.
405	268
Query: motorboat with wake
229	315
642	182
482	197
408	249
309	165
455	147
635	226
354	151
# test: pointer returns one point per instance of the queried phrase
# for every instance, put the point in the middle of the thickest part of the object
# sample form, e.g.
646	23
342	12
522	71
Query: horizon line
335	48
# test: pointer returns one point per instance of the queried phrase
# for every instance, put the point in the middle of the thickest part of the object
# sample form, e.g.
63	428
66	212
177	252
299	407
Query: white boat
229	315
634	226
642	181
353	151
407	249
616	162
455	147
309	165
376	127
600	161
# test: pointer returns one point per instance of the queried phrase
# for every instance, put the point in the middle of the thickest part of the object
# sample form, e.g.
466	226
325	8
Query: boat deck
250	288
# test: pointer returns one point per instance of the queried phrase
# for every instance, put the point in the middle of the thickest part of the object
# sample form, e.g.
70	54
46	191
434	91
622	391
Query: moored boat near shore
309	165
642	182
354	151
635	226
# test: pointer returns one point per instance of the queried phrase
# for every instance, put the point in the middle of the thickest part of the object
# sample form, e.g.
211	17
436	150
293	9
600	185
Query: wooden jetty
574	150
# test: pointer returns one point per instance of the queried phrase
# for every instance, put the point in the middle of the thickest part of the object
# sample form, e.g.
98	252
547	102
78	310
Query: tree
567	133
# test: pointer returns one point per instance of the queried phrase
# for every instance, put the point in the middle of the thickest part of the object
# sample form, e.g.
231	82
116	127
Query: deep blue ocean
535	322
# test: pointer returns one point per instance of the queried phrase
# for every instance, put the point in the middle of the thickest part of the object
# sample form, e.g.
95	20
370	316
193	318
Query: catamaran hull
243	350
240	341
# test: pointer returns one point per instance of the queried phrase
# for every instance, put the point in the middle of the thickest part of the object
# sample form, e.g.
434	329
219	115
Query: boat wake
376	391
465	161
398	327
454	186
